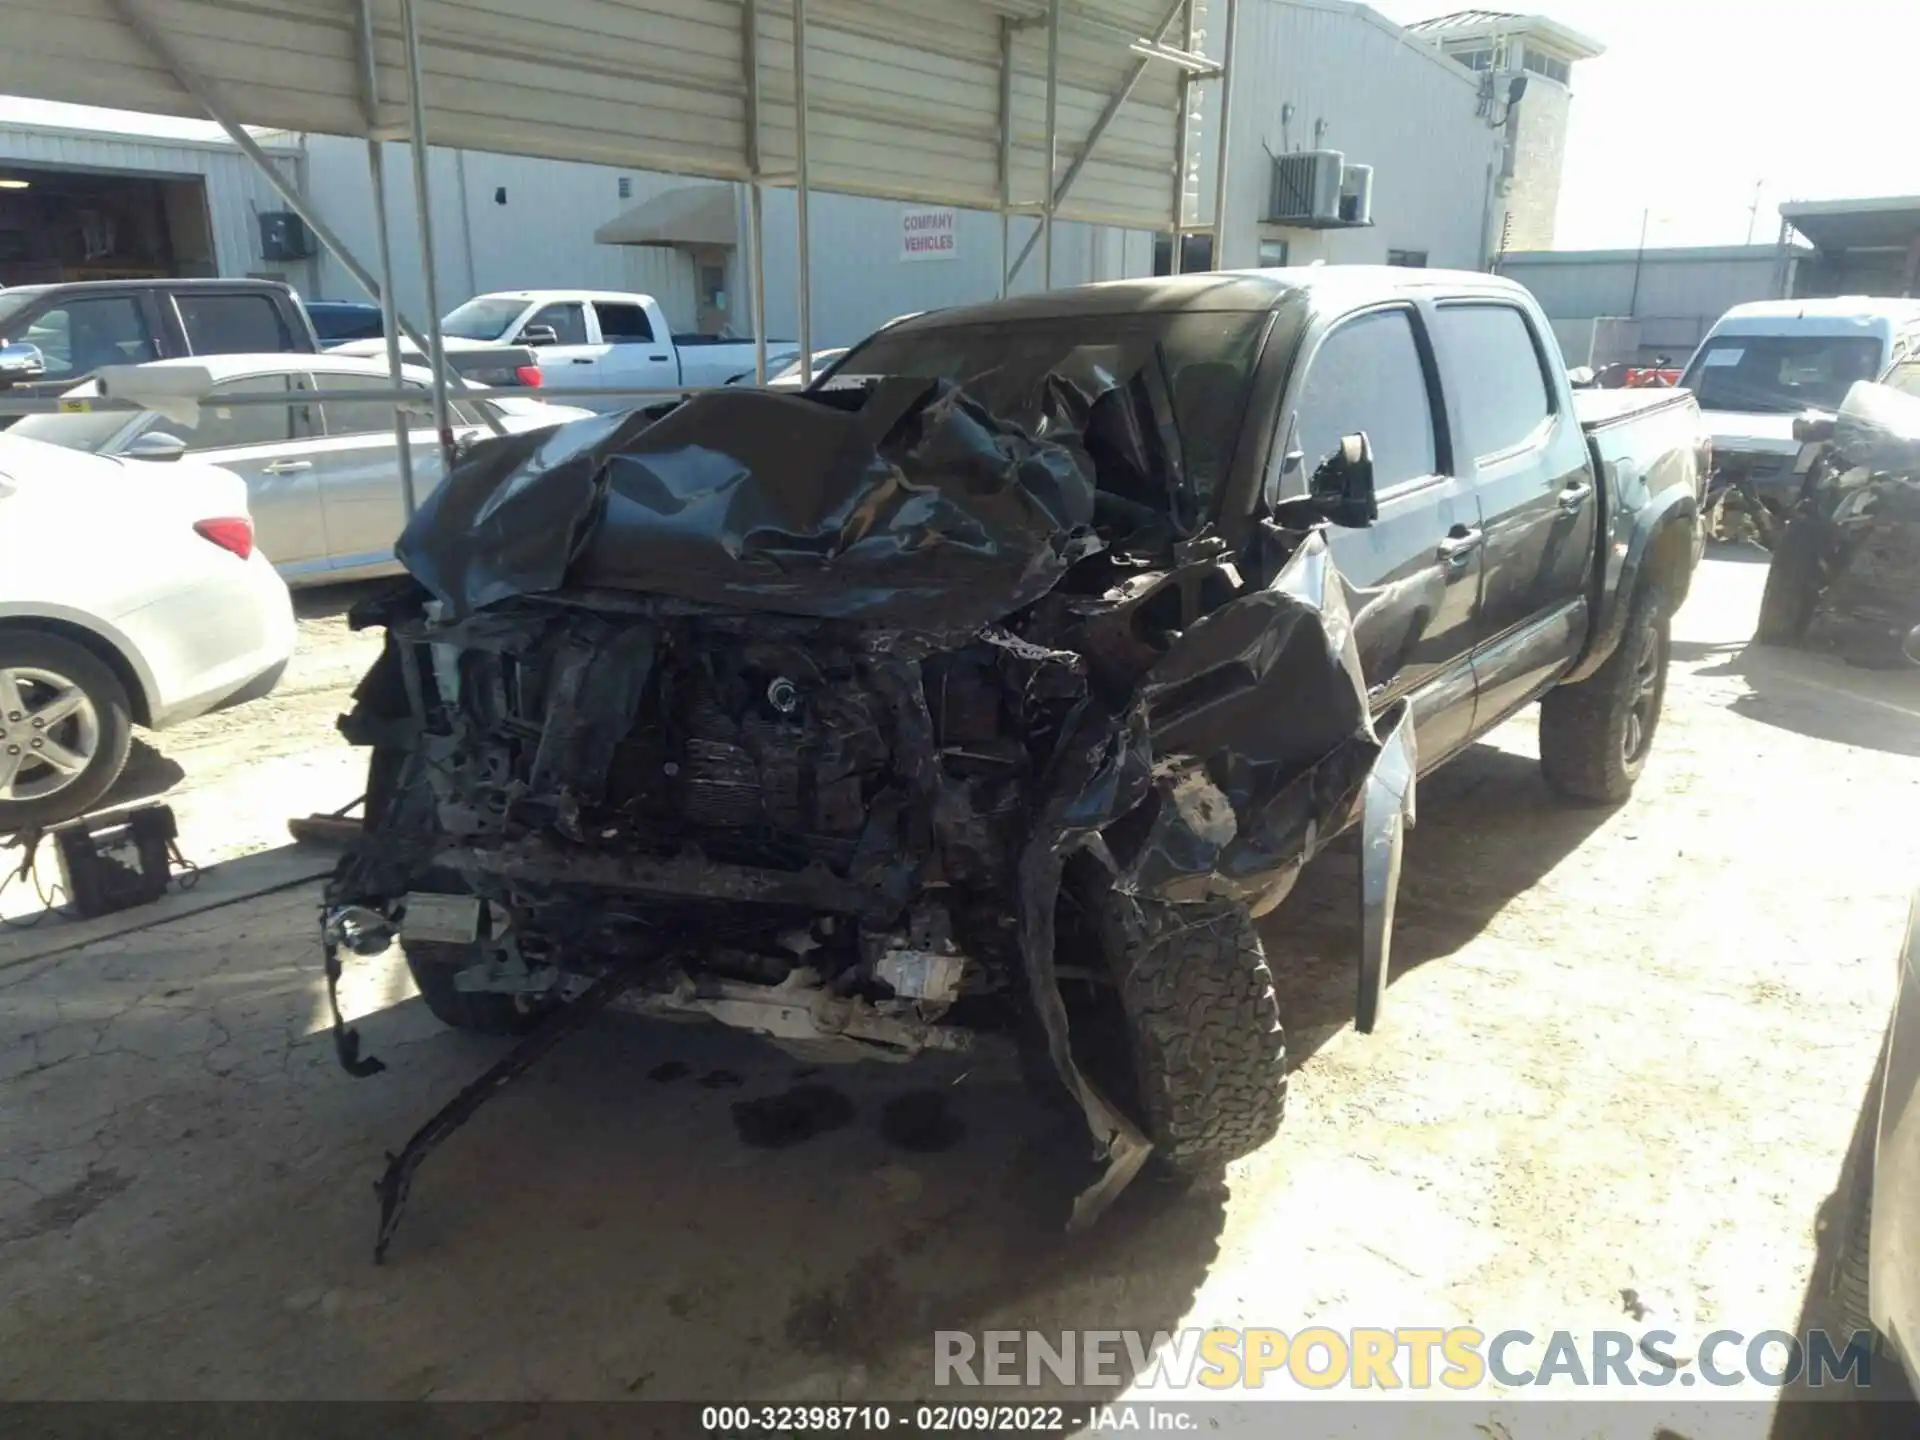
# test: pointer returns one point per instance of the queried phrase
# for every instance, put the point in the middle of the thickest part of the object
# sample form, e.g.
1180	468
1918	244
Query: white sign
1718	358
929	233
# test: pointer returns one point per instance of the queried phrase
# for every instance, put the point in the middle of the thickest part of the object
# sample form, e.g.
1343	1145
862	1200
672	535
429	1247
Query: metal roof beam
196	85
1113	107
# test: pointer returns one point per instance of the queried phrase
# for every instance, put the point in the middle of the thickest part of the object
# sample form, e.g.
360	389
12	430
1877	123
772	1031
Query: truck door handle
1460	545
659	357
1574	496
287	467
580	360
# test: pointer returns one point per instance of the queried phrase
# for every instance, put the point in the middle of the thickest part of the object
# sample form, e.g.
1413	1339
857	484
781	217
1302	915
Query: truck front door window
1369	375
80	336
1508	401
569	322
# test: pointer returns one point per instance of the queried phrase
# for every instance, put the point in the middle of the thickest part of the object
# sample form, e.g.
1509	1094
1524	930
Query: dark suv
79	327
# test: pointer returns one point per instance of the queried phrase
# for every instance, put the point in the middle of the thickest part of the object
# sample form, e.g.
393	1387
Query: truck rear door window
78	337
1503	396
1369	375
622	324
232	324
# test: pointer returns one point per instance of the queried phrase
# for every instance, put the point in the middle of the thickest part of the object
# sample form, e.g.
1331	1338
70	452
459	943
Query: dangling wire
27	842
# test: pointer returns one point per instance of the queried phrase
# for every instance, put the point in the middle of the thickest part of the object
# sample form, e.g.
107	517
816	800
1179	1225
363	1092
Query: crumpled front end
1860	533
806	748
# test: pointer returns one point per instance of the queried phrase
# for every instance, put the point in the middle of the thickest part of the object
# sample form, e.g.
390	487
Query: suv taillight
528	375
232	532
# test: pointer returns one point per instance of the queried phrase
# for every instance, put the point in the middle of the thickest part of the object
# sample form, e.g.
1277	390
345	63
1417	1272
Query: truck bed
1601	409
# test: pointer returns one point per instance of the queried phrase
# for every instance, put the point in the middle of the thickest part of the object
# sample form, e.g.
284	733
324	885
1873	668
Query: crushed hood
1738	433
910	505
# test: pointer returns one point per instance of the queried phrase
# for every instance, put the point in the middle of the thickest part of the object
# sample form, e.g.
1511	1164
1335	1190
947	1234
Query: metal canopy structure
975	103
903	96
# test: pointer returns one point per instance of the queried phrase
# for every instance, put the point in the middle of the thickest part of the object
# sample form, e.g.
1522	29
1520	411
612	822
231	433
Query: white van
1765	363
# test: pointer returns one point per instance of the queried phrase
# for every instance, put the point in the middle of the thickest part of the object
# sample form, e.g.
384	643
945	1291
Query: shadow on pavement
1489	829
148	775
1816	695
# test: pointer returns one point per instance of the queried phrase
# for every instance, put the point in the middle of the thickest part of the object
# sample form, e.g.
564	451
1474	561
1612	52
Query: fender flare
1623	564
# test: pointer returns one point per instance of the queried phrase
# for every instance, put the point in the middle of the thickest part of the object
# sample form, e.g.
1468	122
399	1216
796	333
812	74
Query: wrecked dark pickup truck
1845	576
999	683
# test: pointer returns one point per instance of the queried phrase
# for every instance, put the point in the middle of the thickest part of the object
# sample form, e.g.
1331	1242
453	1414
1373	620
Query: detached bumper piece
396	1182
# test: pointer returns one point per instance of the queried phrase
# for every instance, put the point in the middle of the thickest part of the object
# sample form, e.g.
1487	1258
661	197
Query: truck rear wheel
1206	1054
1595	736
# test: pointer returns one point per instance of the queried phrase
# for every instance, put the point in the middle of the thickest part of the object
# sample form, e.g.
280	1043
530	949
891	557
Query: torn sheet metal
1862	505
918	508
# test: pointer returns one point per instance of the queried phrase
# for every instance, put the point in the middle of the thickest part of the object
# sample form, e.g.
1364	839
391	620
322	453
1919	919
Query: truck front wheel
1206	1057
1595	736
434	963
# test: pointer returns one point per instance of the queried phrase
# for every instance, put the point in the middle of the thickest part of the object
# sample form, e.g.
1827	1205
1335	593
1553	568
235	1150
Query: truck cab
77	328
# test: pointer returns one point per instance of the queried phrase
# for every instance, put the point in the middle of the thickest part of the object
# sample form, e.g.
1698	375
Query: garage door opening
62	225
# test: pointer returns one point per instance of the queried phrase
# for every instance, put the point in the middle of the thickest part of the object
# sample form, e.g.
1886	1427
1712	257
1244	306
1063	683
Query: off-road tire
1208	1054
37	650
1590	748
1786	606
434	963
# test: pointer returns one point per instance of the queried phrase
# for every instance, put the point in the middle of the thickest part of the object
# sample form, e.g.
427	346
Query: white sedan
323	475
122	602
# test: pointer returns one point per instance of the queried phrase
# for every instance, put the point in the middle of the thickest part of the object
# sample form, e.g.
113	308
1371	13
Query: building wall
1540	154
542	236
1388	100
235	190
500	222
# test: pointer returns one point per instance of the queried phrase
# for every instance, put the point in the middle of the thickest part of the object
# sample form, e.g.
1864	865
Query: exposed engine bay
790	712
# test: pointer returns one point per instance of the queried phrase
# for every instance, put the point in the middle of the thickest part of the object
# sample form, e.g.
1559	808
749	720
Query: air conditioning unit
283	236
1306	188
1356	195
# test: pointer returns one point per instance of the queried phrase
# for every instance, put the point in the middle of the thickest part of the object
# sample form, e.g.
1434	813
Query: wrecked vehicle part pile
839	684
1846	577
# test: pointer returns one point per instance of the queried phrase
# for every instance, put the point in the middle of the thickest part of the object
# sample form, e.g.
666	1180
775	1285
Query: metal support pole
756	211
389	310
1115	103
423	202
1053	140
192	82
1231	21
1182	144
804	255
1006	148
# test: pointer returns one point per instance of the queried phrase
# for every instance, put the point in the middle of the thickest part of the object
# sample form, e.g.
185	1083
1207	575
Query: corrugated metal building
1630	305
222	238
1316	74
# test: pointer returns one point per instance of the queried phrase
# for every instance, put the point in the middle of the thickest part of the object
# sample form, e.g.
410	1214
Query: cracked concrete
1622	1050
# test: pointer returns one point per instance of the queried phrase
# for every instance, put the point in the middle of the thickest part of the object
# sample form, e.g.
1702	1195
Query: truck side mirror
538	335
1342	488
20	361
1813	428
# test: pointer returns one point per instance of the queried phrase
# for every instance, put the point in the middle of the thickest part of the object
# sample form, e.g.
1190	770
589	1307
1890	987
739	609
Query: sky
1697	101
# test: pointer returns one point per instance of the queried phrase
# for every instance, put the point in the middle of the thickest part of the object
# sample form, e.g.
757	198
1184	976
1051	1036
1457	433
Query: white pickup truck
595	338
